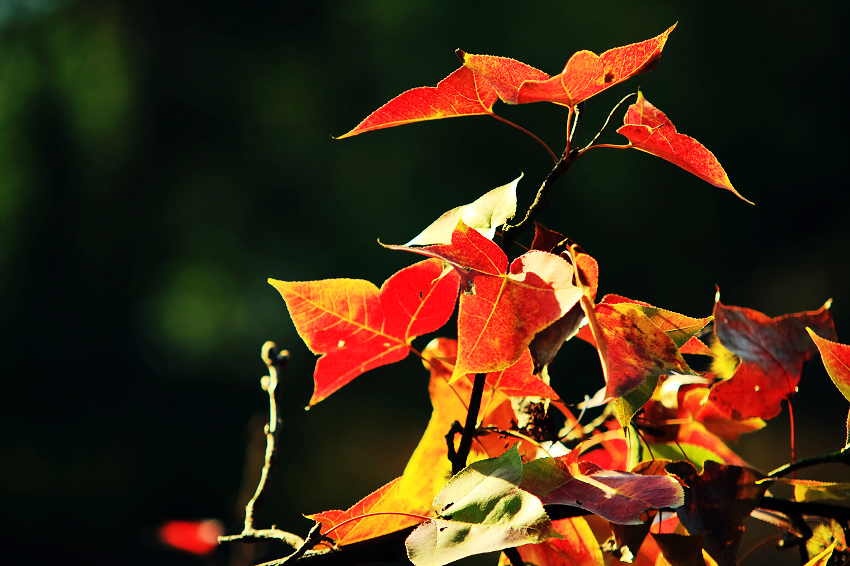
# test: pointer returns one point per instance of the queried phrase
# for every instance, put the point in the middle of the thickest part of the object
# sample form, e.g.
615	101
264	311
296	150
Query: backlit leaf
587	74
485	215
462	93
579	546
505	75
836	360
772	352
357	327
480	509
384	500
649	130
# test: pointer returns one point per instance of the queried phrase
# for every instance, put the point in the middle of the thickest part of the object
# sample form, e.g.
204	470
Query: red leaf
772	352
499	312
357	327
197	537
587	74
836	360
619	497
497	322
504	75
385	500
649	130
462	93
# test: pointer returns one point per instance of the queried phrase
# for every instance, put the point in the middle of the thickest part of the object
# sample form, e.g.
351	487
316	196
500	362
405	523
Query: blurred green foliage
160	160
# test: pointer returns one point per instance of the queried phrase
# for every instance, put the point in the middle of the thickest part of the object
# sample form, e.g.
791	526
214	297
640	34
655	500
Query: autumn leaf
836	360
481	509
501	308
377	514
772	352
716	503
485	215
505	75
585	74
619	497
197	537
649	130
462	93
357	327
578	547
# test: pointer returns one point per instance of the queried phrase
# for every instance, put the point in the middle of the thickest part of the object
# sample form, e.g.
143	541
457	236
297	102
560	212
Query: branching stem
462	454
840	457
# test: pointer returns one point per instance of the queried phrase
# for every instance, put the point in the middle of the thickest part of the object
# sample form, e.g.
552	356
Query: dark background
160	160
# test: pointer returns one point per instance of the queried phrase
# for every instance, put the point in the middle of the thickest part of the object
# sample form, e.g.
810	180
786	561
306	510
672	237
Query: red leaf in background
462	93
357	327
696	405
587	74
505	75
649	130
385	499
772	352
716	504
197	537
836	360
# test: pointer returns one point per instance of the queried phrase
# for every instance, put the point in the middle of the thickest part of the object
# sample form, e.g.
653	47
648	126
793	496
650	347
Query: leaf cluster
654	475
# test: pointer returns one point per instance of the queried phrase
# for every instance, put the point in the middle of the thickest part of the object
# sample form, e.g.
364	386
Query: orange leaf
649	130
385	500
462	93
836	360
357	327
579	546
587	74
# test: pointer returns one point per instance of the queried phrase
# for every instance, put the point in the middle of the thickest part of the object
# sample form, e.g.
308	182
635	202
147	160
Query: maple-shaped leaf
485	215
462	93
716	503
357	327
578	547
836	360
619	497
377	514
481	509
772	352
585	74
502	309
649	130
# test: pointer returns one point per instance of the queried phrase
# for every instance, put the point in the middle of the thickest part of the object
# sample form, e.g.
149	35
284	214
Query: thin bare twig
462	453
276	361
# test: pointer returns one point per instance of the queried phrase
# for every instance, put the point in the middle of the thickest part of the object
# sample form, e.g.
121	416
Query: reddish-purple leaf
772	352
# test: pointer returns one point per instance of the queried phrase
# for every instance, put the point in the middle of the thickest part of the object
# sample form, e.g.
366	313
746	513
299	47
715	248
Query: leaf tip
461	54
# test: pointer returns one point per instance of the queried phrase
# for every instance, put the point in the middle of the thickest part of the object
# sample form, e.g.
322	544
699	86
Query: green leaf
480	509
485	215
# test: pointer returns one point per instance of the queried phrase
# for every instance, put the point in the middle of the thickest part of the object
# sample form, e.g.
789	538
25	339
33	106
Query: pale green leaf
485	215
480	509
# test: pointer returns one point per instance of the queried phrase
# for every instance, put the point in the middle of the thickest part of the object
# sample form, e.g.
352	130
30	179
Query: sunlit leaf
485	215
358	527
357	327
579	546
462	93
836	360
505	75
585	74
649	130
480	509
